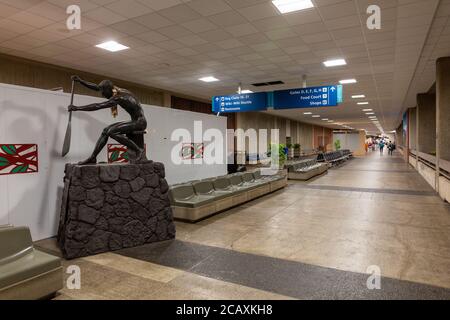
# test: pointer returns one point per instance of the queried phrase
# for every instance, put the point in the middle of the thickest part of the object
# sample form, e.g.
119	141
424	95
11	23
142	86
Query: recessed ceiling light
335	63
245	91
112	46
307	113
286	6
348	81
362	103
316	116
358	96
208	79
367	110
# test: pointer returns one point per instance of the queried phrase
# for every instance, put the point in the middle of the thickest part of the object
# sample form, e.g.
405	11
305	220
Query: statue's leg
118	133
101	142
126	142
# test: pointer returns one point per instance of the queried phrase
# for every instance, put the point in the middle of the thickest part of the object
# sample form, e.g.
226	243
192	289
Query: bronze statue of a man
128	133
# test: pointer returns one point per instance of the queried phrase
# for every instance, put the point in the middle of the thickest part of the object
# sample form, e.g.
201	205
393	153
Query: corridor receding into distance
300	242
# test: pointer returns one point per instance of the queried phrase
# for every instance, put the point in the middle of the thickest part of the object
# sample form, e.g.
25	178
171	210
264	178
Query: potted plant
297	150
282	156
337	144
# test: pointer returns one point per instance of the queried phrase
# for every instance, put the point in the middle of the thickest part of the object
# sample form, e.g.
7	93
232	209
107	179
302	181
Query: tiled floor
370	211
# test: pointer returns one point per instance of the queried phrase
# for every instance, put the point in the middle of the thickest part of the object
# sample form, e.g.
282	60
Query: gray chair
184	195
189	206
239	192
206	188
26	273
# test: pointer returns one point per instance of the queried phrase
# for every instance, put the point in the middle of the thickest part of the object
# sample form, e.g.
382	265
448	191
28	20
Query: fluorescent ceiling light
286	6
245	91
362	103
208	79
358	96
112	46
370	113
307	113
348	81
325	119
367	110
330	121
335	63
316	116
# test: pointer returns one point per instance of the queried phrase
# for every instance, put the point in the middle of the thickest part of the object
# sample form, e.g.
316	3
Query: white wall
40	117
350	141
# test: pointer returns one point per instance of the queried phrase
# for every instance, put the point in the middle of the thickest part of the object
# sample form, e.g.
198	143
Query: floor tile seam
310	265
368	190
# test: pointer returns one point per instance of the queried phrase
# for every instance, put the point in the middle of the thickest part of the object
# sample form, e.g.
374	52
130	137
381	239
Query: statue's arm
87	84
95	106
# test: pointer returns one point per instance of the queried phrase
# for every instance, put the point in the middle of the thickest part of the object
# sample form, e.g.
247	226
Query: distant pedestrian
381	145
391	148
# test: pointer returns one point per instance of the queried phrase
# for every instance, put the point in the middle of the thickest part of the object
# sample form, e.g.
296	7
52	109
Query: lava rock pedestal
107	207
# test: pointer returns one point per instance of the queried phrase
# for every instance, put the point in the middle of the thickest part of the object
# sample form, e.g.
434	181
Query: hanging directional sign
240	102
327	96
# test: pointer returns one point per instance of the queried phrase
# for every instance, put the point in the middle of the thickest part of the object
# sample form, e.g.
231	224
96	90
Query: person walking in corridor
381	145
391	148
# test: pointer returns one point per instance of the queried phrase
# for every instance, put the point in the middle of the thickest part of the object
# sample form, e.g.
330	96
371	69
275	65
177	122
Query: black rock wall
110	207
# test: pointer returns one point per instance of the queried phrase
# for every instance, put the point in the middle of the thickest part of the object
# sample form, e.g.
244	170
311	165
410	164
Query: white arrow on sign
333	89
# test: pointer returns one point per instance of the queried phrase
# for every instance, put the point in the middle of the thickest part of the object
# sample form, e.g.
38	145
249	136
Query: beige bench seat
26	273
185	196
307	169
199	199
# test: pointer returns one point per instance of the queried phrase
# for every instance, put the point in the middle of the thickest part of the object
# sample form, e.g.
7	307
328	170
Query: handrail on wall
430	161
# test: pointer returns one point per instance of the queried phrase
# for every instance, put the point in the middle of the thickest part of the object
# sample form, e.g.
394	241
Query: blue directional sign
240	102
327	96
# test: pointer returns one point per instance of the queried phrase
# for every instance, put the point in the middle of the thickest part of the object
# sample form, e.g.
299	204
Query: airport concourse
212	151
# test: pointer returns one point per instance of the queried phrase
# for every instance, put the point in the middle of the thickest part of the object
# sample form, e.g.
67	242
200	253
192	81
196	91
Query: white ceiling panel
175	42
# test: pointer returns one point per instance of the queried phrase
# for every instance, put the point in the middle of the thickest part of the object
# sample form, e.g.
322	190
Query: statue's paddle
67	138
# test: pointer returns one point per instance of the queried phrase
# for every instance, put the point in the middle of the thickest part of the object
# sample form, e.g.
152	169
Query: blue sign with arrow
240	102
327	96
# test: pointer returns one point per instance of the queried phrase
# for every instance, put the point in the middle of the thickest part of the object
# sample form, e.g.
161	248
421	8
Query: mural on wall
118	153
406	129
18	158
191	151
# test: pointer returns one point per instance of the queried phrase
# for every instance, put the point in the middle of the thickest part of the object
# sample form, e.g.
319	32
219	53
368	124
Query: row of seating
196	200
306	169
335	157
26	273
347	153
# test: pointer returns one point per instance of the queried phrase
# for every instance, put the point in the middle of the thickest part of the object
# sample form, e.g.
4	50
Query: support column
167	100
442	113
417	138
426	106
